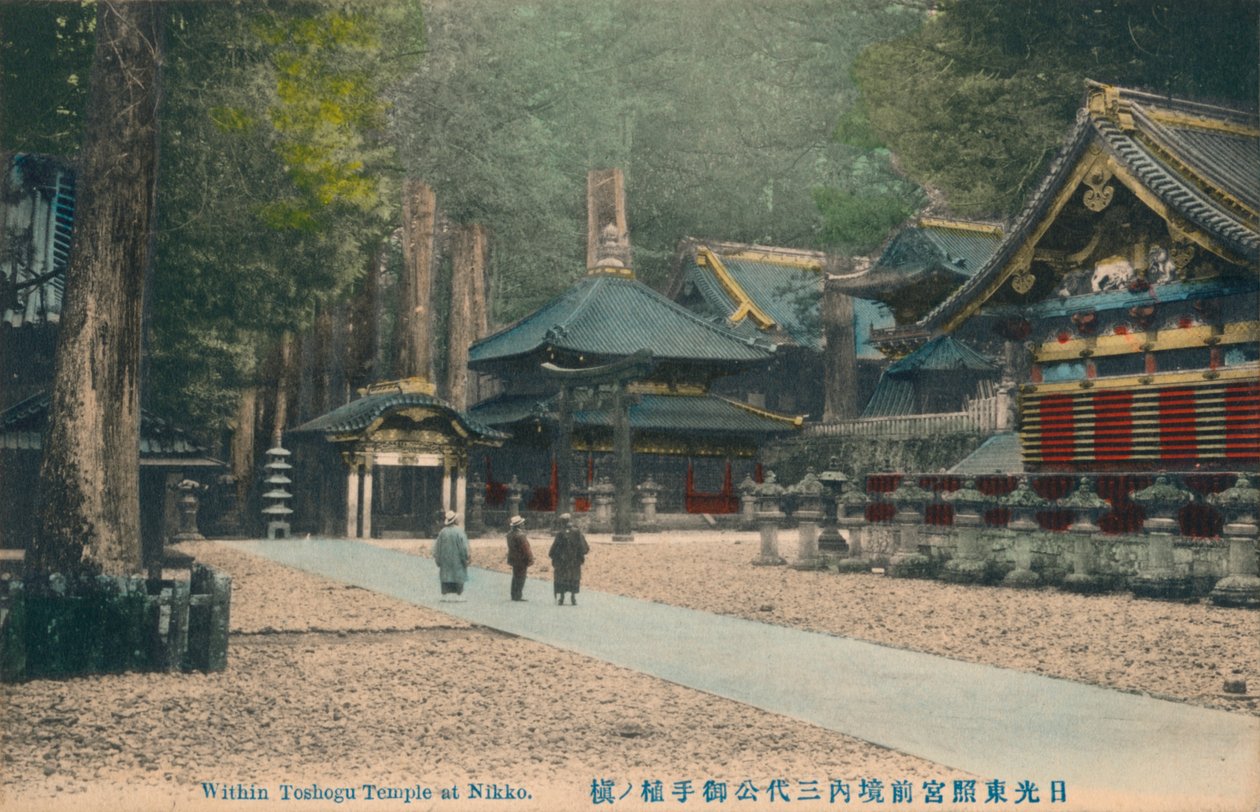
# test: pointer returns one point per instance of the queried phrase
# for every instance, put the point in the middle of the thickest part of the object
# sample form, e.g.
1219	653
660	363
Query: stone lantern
277	513
910	500
851	518
809	496
833	479
747	503
477	507
1023	503
1162	502
769	493
188	502
968	564
601	505
648	489
1088	507
1241	505
514	490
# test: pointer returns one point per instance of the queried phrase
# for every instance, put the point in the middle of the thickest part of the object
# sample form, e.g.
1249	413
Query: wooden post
839	356
622	473
415	315
564	449
367	500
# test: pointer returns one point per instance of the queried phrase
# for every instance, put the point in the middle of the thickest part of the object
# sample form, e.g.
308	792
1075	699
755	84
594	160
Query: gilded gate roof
357	415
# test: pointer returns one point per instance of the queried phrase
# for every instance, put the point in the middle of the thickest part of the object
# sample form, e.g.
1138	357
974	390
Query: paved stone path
1113	750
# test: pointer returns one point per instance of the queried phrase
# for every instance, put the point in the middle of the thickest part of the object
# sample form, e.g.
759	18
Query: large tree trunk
415	317
89	511
284	382
840	380
469	263
243	439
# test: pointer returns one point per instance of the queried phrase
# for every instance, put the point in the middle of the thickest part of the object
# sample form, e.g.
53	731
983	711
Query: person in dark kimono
568	552
450	551
519	556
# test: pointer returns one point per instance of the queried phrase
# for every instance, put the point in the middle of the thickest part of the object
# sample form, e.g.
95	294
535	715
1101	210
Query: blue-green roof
22	427
609	316
942	353
686	414
359	414
787	294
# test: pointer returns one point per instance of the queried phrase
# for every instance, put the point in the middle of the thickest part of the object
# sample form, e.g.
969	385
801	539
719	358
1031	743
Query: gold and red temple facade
1185	421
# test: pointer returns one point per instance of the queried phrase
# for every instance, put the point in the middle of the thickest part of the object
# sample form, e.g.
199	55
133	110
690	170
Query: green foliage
976	101
860	221
720	114
45	58
278	182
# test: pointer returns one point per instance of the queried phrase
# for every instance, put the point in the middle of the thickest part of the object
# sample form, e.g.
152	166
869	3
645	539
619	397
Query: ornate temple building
394	459
1123	300
693	441
776	296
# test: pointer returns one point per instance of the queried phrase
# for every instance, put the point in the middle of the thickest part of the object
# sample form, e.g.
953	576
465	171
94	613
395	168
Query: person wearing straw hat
450	551
568	553
519	556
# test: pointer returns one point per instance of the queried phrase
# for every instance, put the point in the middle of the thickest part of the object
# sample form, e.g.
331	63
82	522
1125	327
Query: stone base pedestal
1237	591
769	556
909	565
832	543
1083	584
1161	586
620	537
1022	579
964	571
277	530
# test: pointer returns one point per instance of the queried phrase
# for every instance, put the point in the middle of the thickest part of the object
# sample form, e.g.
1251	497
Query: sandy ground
335	686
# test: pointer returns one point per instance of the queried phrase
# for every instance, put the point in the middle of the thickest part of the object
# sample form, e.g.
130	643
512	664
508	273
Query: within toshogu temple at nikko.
1070	398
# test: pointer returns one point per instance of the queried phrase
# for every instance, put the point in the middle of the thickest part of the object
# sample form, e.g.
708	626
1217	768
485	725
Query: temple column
367	500
461	489
352	501
623	485
446	487
564	449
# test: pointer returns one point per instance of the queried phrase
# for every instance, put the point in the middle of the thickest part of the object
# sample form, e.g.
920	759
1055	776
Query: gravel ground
1182	651
336	686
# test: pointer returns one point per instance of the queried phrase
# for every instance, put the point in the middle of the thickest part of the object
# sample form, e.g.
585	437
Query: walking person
450	551
519	556
567	553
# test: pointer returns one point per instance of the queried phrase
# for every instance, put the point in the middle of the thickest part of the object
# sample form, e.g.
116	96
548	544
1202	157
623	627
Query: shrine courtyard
630	697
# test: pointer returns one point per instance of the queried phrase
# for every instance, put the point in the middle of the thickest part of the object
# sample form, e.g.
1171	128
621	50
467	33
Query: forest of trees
286	132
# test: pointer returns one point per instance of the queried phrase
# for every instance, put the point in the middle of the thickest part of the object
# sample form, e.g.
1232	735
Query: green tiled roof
611	316
22	427
691	414
685	414
942	353
1000	454
789	295
359	414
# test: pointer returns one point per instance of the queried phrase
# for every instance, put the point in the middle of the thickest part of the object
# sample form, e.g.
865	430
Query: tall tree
89	479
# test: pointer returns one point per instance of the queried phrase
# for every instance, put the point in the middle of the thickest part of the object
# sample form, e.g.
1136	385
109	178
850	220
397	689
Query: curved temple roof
612	316
357	415
1194	161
